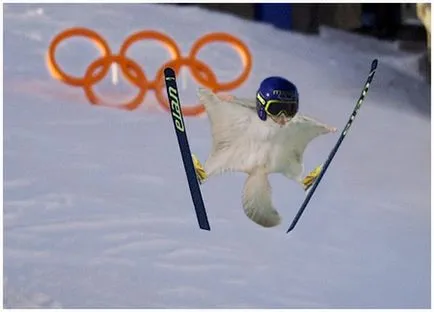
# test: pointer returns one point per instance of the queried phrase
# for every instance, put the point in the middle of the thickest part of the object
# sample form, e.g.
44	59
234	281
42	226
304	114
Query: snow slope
96	207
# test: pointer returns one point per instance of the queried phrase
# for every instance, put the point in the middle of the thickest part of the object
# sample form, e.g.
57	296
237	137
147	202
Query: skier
258	137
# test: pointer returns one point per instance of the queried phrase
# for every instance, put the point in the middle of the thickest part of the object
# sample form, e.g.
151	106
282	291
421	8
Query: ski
335	148
178	122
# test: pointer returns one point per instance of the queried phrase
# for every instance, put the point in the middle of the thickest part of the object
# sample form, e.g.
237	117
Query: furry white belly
247	154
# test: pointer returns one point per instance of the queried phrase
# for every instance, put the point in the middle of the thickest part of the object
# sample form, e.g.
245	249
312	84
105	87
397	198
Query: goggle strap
261	99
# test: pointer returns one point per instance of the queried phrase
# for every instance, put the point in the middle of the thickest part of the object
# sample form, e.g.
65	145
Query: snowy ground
96	207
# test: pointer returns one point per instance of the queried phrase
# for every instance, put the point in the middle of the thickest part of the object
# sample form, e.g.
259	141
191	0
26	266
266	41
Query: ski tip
169	72
205	227
292	226
374	64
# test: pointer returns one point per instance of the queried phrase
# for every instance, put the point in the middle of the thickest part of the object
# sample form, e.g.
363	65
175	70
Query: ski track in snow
96	205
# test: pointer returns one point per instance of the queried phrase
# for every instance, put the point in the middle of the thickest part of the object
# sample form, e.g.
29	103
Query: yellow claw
311	177
200	172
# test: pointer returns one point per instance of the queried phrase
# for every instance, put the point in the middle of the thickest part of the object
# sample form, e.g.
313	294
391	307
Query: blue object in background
277	14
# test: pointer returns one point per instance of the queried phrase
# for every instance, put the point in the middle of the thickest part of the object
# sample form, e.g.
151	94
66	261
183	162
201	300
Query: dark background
397	22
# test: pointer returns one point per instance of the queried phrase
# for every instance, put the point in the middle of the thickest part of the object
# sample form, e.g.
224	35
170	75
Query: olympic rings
133	73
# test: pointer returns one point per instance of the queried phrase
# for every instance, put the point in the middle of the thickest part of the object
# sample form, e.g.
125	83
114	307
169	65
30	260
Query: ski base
178	122
333	152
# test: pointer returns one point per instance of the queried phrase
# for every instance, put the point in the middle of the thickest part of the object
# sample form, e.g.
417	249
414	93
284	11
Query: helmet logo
285	95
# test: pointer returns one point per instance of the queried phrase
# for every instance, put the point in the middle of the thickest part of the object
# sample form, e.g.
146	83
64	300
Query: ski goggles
278	107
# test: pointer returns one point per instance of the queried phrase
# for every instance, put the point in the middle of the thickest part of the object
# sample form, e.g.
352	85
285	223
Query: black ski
336	147
178	122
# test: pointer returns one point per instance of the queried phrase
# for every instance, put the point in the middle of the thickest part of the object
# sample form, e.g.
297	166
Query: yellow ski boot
200	172
311	177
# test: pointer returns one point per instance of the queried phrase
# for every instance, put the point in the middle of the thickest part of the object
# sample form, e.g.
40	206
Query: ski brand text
176	109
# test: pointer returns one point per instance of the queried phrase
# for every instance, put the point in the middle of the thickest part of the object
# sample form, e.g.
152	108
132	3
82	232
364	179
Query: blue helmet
276	96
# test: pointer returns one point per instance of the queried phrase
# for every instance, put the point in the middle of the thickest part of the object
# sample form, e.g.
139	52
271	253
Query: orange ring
165	40
53	66
238	45
139	80
200	71
191	110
